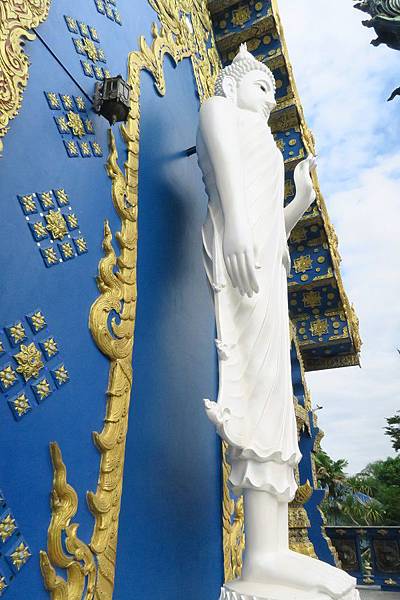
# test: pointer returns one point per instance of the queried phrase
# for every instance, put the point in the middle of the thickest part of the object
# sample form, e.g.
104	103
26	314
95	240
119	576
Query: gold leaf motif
29	203
72	221
30	361
311	299
50	346
56	224
78	559
67	101
43	389
8	376
21	405
17	333
319	327
61	374
20	556
241	16
90	49
3	584
7	528
75	122
302	264
67	249
50	255
62	196
40	229
72	148
81	243
38	320
16	20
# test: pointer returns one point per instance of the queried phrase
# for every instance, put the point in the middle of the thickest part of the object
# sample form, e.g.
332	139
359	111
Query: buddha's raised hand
303	181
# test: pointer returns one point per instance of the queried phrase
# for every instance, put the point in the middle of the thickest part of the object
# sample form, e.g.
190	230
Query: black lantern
111	99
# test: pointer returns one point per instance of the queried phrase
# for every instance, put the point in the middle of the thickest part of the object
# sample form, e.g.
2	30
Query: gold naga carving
186	32
233	538
17	17
79	563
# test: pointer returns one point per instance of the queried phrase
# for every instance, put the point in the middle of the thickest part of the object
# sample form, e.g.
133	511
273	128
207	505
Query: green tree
383	478
393	430
349	500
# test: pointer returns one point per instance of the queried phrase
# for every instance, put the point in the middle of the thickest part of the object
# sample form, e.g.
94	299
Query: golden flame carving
185	32
79	562
16	18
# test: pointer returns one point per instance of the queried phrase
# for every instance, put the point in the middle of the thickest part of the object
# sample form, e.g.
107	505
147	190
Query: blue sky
344	82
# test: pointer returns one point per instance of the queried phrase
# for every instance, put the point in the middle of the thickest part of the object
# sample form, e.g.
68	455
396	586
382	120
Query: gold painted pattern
8	377
20	556
17	17
21	405
61	374
7	528
43	389
50	347
56	224
75	122
30	361
17	333
117	286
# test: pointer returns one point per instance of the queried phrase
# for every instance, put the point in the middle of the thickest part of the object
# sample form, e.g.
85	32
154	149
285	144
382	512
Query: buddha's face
255	92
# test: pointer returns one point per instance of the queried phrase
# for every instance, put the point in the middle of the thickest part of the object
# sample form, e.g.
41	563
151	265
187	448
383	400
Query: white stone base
274	592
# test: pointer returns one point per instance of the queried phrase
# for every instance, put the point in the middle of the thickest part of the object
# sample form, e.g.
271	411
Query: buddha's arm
305	194
218	128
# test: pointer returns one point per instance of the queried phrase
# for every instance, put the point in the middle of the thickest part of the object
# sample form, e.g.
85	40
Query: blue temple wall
170	520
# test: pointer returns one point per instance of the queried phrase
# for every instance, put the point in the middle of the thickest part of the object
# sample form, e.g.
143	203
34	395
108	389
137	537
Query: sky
344	83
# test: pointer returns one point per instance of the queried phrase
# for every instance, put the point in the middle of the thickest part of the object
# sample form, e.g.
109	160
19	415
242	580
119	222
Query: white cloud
343	83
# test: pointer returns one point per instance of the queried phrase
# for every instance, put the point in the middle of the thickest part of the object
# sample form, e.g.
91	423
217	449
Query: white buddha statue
247	263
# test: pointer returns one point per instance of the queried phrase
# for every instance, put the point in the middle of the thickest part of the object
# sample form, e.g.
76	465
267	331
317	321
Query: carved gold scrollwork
17	17
233	526
78	562
185	32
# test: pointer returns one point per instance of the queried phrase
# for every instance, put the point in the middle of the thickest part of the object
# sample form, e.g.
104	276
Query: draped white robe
254	413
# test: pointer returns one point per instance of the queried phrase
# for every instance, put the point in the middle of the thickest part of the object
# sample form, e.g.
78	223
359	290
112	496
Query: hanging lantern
111	99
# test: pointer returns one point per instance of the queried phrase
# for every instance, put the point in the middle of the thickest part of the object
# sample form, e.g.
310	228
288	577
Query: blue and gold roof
326	323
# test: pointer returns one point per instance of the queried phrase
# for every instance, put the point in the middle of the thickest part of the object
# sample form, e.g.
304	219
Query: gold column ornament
186	32
17	17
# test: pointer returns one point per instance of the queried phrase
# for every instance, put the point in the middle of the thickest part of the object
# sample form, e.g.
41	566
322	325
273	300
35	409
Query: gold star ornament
30	361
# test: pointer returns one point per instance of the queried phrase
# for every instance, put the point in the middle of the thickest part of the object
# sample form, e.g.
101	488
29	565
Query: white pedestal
239	590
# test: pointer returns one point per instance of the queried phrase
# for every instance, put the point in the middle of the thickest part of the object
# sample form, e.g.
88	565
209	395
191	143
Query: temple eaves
326	323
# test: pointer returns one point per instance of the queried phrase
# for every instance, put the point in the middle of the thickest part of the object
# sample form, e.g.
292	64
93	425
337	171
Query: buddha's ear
229	87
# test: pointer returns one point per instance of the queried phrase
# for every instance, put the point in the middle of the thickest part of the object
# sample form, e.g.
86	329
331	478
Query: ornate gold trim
16	18
309	143
186	32
79	561
233	537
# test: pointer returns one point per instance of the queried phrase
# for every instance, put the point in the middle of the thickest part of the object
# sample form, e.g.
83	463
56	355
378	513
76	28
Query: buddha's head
248	83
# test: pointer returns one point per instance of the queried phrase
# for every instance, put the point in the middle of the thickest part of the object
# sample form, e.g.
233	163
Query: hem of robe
272	477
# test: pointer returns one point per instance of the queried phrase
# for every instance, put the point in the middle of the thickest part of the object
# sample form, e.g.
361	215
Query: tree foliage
393	430
372	497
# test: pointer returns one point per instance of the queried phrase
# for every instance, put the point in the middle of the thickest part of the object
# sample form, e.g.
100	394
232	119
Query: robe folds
254	413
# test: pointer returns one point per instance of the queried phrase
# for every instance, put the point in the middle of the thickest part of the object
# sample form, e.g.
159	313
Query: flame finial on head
243	63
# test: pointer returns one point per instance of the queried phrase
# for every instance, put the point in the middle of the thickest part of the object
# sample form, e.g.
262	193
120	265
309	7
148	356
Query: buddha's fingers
246	287
252	275
237	282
